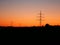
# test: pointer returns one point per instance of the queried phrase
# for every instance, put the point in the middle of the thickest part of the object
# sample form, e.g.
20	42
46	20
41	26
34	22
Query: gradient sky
26	12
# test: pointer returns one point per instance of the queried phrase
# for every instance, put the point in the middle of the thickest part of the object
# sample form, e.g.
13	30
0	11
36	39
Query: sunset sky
26	12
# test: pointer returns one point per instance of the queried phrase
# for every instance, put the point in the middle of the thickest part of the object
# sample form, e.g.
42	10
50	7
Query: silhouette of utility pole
11	23
40	18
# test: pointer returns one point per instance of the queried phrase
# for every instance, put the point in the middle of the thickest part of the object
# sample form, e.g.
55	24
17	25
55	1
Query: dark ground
46	28
16	33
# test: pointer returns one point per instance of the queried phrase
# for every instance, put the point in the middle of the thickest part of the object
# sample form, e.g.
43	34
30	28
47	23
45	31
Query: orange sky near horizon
26	12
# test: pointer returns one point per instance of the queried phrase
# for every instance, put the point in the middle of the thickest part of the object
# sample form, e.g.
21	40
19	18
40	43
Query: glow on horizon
25	12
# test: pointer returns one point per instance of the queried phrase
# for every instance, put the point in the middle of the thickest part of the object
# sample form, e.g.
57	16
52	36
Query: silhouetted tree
47	25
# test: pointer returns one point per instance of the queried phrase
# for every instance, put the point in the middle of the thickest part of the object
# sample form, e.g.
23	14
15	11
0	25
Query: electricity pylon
40	18
11	23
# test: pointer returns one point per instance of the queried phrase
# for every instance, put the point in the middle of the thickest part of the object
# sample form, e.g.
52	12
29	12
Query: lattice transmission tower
40	18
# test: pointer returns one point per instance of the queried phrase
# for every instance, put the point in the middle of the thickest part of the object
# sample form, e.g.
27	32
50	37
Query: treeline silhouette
46	28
